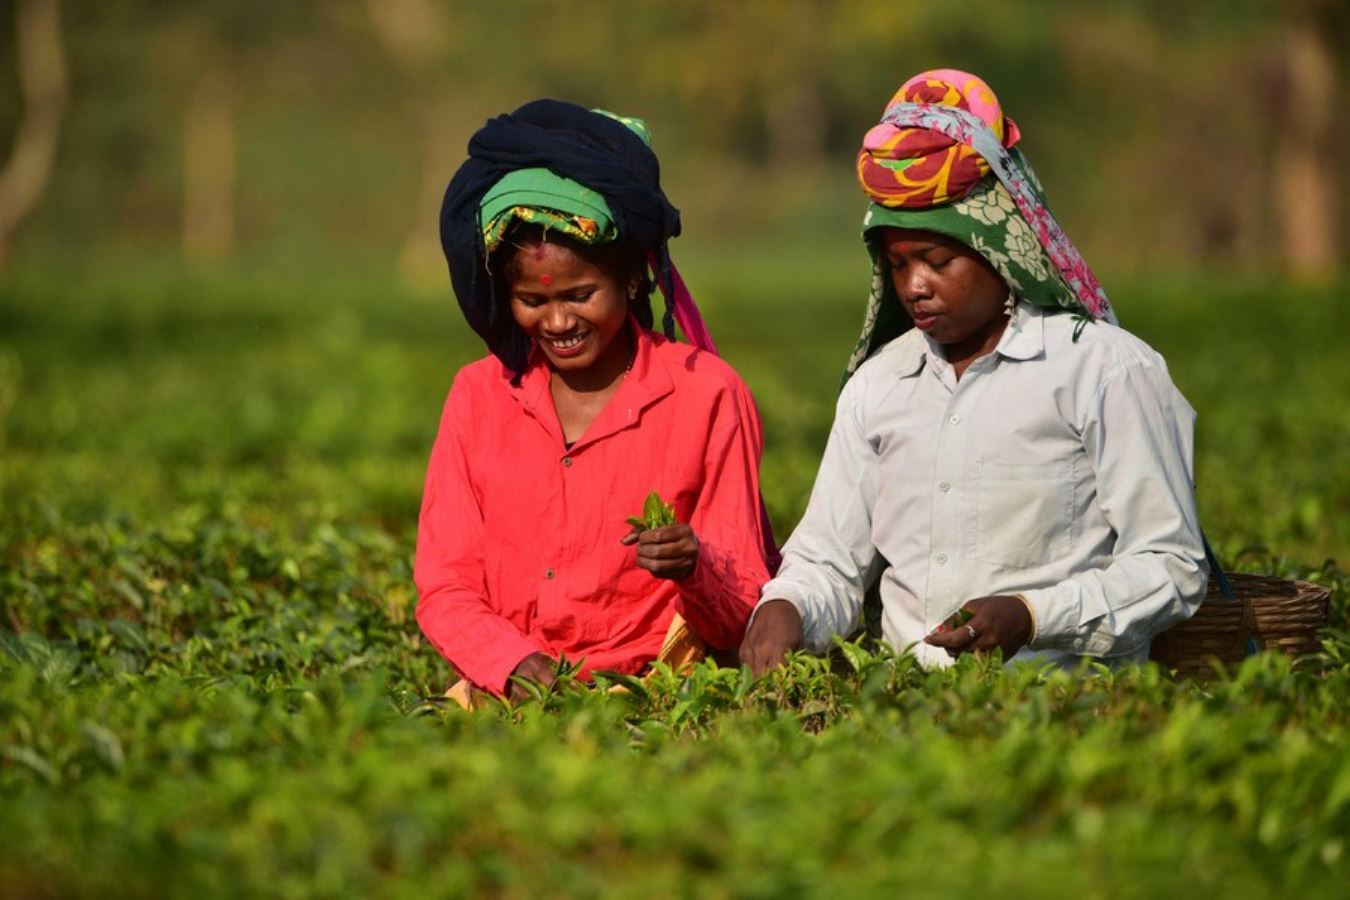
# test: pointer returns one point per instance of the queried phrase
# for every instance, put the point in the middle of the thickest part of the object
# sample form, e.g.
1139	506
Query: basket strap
1226	589
1216	571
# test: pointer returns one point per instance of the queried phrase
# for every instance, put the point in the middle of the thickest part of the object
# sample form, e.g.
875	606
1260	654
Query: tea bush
211	682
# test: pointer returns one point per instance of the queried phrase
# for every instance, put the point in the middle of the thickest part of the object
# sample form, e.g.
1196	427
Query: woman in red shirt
580	410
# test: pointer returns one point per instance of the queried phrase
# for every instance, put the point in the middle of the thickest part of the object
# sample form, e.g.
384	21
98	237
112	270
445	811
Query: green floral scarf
986	220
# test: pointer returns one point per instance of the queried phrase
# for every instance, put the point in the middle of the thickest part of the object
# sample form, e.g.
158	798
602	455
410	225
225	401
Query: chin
948	332
946	337
571	363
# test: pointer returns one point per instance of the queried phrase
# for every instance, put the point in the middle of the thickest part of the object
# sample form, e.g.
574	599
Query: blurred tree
210	147
754	74
1307	173
416	34
215	40
319	133
41	65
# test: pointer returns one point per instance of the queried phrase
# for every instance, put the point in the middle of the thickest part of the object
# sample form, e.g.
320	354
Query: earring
1009	304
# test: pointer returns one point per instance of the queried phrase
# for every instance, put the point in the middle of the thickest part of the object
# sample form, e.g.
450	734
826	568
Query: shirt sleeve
831	558
1138	434
717	599
452	608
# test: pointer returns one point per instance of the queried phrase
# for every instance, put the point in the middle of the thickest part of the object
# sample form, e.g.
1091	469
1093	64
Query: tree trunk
416	35
1306	179
43	90
413	31
209	152
420	261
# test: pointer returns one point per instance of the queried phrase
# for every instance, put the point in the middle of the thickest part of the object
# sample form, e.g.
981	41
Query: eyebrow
574	289
918	248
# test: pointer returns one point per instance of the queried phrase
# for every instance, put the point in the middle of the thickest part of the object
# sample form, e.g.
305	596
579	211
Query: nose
910	284
558	319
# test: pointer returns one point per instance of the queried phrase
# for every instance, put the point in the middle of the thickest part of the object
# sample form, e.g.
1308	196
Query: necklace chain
632	356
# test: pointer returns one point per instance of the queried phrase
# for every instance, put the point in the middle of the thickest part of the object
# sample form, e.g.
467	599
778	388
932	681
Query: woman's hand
998	622
776	629
536	667
668	552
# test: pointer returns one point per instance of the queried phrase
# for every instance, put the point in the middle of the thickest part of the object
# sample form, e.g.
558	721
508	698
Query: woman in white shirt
1001	446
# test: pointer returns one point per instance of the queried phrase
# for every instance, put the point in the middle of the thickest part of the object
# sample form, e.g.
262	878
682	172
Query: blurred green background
226	333
313	135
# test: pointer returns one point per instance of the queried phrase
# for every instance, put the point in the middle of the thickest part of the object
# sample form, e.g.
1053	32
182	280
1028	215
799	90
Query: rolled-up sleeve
1138	433
830	558
452	608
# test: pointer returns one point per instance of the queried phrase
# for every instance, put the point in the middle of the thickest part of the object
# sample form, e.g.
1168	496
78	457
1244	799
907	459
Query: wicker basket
1271	613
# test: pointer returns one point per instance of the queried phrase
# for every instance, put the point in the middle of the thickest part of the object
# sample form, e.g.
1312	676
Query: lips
924	320
569	346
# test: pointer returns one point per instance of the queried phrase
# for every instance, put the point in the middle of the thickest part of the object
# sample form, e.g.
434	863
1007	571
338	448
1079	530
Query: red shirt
518	546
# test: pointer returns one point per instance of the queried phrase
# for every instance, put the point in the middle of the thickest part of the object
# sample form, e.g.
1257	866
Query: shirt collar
1023	339
646	381
909	357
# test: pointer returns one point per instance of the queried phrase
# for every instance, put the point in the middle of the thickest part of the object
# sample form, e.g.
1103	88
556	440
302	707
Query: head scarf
538	197
943	159
567	167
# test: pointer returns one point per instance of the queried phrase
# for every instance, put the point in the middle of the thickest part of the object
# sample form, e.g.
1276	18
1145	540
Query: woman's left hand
669	552
999	622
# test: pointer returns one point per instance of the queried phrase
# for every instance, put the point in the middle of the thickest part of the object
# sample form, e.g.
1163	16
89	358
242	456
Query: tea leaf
106	746
656	513
652	510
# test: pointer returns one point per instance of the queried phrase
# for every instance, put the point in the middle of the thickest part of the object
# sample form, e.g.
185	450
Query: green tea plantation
212	683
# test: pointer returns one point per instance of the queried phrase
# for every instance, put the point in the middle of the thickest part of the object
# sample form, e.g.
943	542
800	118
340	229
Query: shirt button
567	460
548	573
941	558
945	487
955	420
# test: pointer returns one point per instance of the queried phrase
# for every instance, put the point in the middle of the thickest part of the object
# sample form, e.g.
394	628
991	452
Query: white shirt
1056	469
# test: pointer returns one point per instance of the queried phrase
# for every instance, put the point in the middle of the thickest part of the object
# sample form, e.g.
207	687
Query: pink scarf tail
687	315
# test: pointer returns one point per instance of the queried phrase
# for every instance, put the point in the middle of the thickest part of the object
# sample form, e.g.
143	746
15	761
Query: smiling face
571	307
949	290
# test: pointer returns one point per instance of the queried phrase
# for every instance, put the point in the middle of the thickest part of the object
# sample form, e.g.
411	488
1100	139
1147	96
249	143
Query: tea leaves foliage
211	682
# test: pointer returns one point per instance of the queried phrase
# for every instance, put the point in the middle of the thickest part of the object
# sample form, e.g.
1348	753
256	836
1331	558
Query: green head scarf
539	196
987	221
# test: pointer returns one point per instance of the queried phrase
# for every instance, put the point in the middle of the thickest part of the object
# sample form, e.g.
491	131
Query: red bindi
546	278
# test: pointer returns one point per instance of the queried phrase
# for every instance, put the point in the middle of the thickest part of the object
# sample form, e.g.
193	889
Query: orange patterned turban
914	168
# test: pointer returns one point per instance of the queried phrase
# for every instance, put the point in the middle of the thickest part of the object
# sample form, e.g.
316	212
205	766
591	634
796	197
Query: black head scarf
588	147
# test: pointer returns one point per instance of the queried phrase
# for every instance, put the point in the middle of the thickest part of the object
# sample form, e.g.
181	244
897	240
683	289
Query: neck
612	365
962	353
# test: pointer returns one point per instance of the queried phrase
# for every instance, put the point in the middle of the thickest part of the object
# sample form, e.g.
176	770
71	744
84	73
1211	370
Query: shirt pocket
571	599
1024	513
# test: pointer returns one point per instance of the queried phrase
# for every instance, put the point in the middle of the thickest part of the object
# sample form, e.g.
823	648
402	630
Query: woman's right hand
667	552
776	629
536	667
